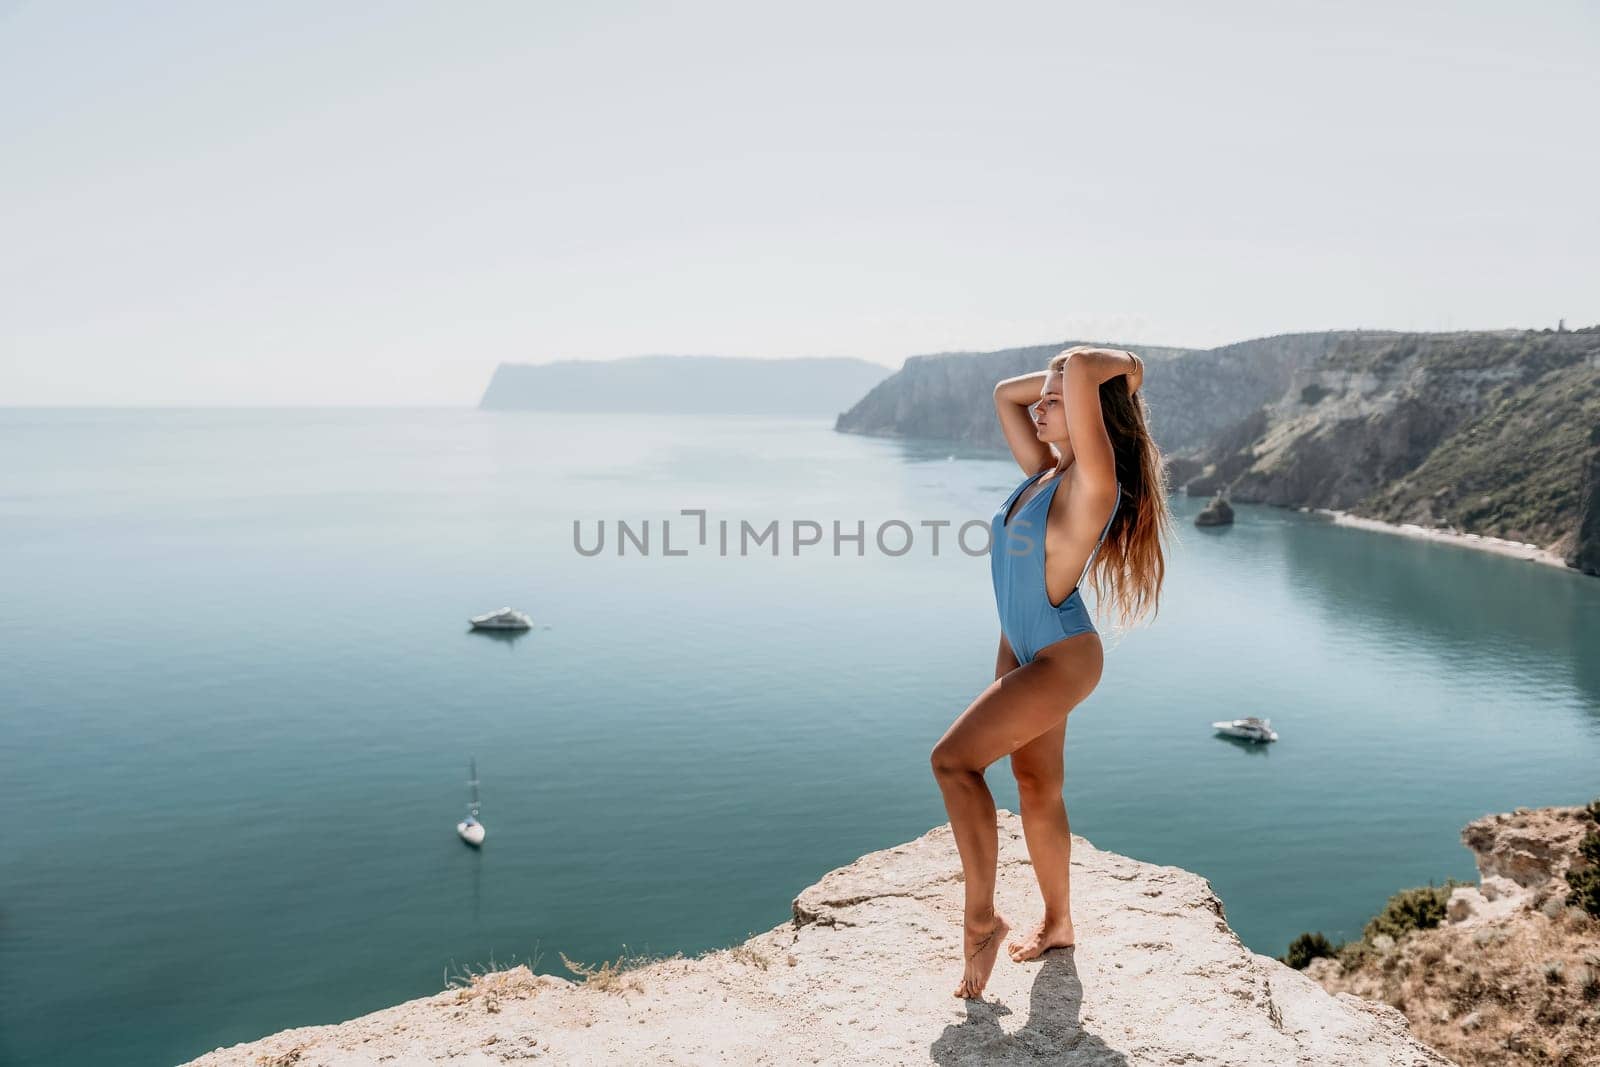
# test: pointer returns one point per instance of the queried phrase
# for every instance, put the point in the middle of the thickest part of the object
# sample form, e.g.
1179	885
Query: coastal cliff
1193	393
1494	434
863	974
1504	972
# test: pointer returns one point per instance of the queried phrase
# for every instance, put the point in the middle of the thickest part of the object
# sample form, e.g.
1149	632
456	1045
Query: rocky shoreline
864	973
1439	535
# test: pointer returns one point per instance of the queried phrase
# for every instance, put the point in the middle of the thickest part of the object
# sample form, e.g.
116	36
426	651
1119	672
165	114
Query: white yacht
1249	728
470	829
504	619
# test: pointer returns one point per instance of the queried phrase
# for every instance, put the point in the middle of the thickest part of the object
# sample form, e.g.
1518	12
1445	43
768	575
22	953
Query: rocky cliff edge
864	973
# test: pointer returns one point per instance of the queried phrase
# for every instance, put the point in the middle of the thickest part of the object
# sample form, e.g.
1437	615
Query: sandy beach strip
1482	542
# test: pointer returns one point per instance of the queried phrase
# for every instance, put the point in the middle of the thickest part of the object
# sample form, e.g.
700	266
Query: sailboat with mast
470	829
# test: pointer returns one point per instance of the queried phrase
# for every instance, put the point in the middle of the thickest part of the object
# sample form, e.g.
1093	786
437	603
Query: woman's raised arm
1013	399
1084	370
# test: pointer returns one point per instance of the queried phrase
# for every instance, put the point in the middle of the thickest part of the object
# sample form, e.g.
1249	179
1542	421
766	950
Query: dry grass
752	955
616	976
491	984
1525	989
280	1059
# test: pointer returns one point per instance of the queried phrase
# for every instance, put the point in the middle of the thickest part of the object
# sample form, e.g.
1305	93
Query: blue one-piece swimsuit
1016	560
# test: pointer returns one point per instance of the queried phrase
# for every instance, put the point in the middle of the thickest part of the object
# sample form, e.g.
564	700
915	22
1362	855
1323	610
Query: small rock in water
1216	513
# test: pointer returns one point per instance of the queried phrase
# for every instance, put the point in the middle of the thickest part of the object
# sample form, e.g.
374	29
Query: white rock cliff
864	974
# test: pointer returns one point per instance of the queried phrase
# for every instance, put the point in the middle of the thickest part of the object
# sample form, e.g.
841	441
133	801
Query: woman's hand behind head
1107	363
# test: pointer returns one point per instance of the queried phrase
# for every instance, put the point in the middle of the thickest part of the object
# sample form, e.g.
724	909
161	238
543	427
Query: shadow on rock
1053	1029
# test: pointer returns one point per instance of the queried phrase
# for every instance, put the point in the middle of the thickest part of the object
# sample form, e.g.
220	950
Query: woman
1088	429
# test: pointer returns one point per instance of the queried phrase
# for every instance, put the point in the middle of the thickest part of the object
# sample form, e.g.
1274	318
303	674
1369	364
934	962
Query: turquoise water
238	699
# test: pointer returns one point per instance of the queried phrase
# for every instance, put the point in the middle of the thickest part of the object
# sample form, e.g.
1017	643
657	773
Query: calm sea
238	700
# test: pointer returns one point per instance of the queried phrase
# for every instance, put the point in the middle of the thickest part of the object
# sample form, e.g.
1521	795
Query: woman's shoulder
1087	495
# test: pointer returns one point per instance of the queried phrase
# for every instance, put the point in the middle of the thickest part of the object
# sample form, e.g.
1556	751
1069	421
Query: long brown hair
1131	559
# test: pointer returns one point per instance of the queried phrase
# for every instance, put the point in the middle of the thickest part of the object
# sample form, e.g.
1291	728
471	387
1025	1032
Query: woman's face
1049	416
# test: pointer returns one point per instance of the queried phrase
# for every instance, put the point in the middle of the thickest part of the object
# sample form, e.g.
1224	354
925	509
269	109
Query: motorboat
1249	728
504	619
470	829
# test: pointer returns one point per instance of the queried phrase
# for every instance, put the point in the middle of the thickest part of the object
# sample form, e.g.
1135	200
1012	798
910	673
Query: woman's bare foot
981	944
1046	934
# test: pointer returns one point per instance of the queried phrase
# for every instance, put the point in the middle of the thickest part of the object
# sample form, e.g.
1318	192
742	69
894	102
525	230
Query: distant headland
691	385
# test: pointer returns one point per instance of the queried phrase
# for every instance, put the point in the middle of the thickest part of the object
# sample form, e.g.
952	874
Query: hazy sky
342	203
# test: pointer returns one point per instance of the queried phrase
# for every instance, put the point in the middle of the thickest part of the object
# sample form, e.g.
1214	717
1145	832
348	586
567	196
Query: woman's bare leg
1012	711
1038	767
972	818
1039	770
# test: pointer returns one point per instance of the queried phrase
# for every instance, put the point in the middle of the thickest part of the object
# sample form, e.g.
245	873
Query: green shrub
1354	954
1585	884
1589	848
1586	891
1420	908
1585	887
1307	947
